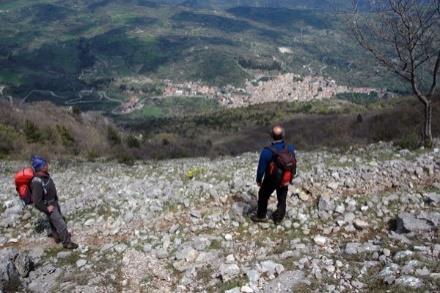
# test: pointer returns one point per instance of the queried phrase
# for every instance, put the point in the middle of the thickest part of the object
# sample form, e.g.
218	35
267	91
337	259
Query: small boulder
326	204
23	264
410	282
407	222
229	271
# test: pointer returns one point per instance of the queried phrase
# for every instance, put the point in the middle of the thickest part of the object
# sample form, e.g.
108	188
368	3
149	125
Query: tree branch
434	76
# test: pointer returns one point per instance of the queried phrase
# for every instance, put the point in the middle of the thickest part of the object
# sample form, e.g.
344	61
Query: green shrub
49	136
66	137
32	132
194	172
132	141
125	158
76	110
411	141
113	136
92	155
7	138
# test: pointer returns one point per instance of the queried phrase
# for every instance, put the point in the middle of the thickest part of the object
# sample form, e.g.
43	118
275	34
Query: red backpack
23	181
282	168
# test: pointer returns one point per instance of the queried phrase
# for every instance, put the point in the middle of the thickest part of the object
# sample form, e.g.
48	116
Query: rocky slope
360	220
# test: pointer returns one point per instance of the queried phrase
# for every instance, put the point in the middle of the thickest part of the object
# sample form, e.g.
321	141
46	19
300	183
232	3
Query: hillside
97	54
362	220
305	4
181	127
57	132
310	125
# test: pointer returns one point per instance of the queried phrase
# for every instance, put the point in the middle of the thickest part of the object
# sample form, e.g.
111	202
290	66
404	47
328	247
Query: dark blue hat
38	162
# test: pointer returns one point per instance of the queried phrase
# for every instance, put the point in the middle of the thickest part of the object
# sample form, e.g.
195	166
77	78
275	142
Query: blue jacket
266	157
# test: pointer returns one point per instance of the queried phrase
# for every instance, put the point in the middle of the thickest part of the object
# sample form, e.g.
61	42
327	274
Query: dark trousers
266	190
58	224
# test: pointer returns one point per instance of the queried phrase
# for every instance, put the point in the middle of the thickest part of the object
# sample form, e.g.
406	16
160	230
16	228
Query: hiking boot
55	237
70	245
257	219
277	221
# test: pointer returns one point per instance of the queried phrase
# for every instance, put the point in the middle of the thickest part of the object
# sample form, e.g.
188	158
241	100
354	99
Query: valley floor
362	220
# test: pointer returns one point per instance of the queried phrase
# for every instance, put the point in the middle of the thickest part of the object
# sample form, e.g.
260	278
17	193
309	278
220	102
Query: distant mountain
96	54
305	4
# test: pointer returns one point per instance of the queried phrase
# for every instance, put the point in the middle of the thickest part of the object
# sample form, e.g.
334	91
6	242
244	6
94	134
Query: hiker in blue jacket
266	183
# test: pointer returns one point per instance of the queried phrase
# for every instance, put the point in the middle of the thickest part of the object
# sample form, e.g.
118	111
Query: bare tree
404	36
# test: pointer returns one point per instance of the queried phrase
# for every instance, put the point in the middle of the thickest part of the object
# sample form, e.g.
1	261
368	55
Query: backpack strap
275	151
43	184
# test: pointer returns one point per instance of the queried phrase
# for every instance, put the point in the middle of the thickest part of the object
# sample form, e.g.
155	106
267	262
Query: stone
147	248
286	282
388	274
271	267
410	282
320	240
81	262
303	196
407	222
89	222
433	198
246	289
349	217
9	276
287	224
424	272
230	259
228	237
386	252
352	248
120	248
161	253
340	209
229	271
196	214
23	264
360	224
402	254
253	276
64	254
44	279
326	204
233	290
187	253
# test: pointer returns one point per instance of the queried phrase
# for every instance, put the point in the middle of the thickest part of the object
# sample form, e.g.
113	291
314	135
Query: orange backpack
23	180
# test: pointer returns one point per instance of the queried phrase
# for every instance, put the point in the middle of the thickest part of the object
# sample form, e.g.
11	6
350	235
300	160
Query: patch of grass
410	141
70	260
194	172
53	251
358	98
204	274
216	244
170	206
237	282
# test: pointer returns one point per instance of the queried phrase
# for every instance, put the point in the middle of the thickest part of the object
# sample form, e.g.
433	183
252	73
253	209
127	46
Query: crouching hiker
276	169
35	186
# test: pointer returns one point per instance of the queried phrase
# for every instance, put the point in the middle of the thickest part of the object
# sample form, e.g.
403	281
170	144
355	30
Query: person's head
277	132
39	164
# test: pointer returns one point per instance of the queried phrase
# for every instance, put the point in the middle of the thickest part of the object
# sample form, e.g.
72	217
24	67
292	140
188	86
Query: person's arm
37	196
291	149
264	161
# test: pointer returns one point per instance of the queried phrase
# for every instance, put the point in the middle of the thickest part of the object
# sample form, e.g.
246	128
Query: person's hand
50	208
